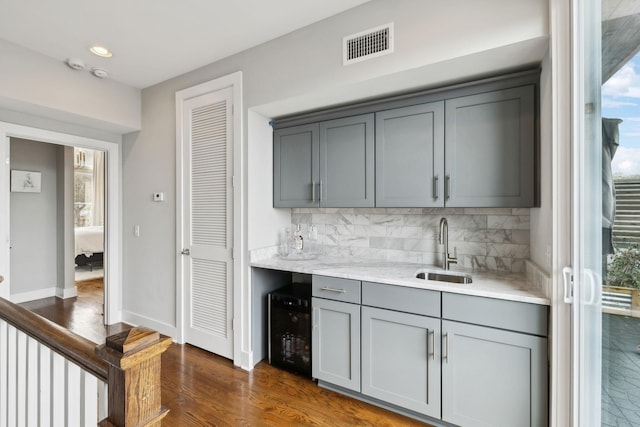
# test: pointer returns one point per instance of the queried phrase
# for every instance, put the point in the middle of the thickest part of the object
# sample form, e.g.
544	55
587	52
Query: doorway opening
112	211
57	230
88	221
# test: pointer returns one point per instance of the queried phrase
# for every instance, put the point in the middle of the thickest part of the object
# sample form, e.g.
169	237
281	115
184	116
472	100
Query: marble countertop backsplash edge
500	285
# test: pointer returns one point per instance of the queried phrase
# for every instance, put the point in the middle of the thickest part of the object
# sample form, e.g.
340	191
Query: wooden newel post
134	377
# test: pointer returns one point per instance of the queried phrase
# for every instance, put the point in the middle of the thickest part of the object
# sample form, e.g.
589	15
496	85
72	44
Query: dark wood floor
202	389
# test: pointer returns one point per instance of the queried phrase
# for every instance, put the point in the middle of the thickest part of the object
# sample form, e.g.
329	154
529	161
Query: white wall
40	86
34	238
541	218
436	43
39	122
264	224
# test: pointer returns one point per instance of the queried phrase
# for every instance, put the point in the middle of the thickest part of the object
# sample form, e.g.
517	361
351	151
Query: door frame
562	74
234	81
113	209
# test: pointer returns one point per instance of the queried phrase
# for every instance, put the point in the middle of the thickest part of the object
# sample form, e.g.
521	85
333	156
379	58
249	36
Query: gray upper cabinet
347	162
410	156
325	164
295	166
468	145
489	146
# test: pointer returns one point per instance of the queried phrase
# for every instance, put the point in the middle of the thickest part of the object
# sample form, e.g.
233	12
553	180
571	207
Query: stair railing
50	376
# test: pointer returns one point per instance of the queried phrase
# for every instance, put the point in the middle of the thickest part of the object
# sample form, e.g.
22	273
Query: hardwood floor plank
202	389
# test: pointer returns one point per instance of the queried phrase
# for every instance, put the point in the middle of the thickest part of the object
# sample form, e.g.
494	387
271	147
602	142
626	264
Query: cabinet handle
340	291
446	346
433	344
435	187
313	191
447	187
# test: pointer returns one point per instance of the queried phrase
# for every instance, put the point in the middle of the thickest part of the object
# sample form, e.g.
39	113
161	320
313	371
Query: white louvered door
208	216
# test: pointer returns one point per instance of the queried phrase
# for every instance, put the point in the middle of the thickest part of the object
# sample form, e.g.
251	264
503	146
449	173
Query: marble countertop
507	286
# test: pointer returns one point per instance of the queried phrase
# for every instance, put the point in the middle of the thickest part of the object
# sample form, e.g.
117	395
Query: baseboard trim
246	360
67	292
140	320
33	295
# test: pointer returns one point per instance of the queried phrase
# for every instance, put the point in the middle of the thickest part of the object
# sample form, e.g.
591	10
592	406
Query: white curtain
98	188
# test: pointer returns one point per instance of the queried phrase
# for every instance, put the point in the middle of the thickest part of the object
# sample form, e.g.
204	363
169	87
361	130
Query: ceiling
620	34
155	40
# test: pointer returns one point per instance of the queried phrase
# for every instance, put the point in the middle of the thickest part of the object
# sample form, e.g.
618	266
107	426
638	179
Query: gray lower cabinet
336	343
401	359
492	377
489	145
494	362
410	156
466	360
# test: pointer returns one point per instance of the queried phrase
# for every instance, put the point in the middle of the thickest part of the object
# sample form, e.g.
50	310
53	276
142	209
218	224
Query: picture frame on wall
26	181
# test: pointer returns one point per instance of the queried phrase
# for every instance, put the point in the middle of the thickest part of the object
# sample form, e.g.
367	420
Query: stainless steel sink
444	277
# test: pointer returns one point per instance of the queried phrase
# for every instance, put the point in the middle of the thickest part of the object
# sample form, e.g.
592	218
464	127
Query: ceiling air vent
367	44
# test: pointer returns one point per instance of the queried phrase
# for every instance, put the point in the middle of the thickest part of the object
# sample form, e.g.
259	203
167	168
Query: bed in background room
89	246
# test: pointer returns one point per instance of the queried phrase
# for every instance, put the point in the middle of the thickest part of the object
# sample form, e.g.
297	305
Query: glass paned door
621	213
587	213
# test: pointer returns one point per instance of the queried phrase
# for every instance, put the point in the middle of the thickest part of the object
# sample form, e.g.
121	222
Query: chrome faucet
443	238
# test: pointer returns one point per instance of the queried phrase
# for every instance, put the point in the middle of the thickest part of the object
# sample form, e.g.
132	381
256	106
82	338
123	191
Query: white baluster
103	400
58	390
12	377
32	382
4	390
74	395
44	411
90	399
22	380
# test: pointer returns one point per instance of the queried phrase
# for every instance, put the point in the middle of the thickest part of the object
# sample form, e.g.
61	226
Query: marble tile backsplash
487	239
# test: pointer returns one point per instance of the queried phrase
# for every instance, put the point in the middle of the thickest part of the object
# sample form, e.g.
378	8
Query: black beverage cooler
290	328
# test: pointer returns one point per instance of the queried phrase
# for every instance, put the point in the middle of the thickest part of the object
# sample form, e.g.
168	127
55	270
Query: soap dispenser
298	240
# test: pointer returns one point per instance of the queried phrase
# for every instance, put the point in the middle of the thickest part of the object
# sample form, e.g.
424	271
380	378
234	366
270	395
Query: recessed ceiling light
101	51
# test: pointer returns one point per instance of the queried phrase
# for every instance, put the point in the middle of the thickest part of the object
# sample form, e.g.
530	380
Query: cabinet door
401	359
489	149
410	156
295	166
347	162
336	343
492	377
